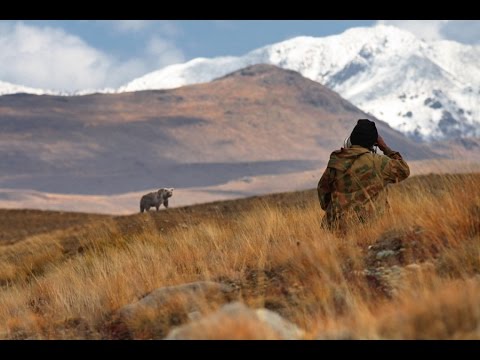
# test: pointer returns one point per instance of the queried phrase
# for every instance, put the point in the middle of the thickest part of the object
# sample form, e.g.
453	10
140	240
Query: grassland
412	274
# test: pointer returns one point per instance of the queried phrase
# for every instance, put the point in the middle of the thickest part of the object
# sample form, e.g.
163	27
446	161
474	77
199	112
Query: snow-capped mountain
426	89
8	88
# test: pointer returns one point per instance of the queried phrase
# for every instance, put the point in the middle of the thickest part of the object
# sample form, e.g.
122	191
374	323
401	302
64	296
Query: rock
194	315
385	253
154	315
201	290
237	321
286	329
399	247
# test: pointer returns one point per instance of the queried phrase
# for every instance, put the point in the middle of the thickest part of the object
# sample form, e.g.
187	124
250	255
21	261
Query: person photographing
351	188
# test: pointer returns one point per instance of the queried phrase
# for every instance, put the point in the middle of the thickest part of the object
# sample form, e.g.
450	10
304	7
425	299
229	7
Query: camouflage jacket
353	182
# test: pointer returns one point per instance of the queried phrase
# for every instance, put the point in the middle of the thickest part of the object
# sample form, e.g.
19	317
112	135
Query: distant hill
256	121
425	88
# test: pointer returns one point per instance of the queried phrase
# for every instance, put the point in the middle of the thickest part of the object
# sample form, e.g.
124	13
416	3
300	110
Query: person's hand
381	143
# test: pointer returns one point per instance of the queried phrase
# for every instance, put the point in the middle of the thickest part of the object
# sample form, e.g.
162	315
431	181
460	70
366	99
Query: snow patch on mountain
426	89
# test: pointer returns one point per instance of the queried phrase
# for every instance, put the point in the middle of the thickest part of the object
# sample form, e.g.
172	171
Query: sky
95	54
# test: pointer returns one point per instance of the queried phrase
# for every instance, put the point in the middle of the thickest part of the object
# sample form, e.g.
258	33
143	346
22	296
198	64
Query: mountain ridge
429	90
259	121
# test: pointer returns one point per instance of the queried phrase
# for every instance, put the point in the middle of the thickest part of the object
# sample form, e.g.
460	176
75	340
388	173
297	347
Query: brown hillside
257	121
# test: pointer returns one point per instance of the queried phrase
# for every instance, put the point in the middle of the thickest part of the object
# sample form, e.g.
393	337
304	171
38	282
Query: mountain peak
384	70
257	70
260	71
425	89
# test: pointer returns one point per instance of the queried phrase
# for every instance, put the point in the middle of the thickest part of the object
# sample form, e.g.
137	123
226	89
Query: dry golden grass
414	273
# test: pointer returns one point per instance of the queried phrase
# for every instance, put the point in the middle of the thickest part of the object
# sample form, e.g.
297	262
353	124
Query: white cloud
465	31
165	27
50	58
169	28
130	25
163	52
426	29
